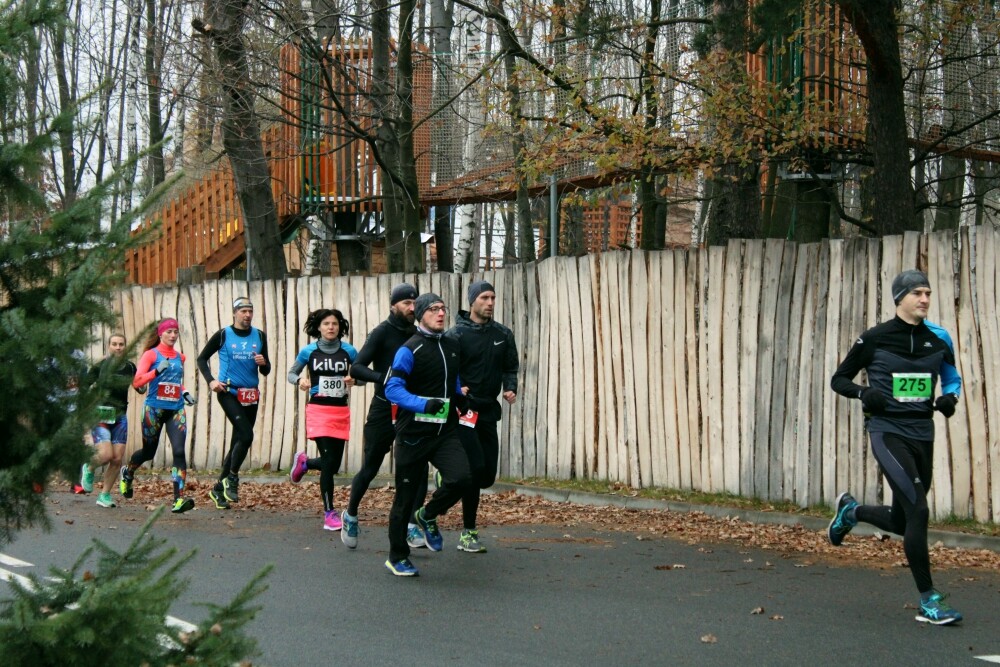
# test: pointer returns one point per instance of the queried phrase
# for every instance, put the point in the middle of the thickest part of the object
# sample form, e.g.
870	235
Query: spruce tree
57	269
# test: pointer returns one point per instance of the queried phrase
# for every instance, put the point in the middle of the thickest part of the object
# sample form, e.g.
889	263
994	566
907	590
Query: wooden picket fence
703	369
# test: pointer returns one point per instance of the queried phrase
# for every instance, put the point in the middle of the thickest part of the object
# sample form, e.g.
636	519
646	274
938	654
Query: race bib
247	395
106	414
912	387
439	417
331	386
469	419
170	391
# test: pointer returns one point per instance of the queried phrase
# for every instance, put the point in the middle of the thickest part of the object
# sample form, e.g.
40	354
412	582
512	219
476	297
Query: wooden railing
702	369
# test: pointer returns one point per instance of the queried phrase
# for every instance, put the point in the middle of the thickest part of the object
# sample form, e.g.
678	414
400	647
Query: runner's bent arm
359	367
213	345
266	368
858	357
395	386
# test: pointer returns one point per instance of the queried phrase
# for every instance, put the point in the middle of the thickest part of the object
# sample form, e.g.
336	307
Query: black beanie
423	302
477	288
401	292
906	282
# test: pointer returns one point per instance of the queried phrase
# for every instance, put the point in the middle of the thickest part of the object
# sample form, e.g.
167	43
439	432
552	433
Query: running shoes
125	485
87	478
469	542
432	536
415	537
843	519
300	464
218	497
332	521
231	488
182	505
104	499
349	530
402	568
933	609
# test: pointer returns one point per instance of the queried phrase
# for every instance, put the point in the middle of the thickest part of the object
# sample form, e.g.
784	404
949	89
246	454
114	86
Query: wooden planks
706	369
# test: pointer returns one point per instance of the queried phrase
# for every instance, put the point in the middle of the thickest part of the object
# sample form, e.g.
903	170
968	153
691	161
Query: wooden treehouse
317	168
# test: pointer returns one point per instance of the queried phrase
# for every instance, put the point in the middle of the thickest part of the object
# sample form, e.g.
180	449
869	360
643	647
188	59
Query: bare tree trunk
445	156
652	237
241	139
153	64
526	241
735	208
877	26
66	101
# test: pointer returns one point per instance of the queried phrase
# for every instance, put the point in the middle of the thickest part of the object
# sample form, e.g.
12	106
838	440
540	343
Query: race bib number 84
912	387
168	390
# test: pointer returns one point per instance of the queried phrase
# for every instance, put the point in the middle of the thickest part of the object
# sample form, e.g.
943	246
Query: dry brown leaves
509	508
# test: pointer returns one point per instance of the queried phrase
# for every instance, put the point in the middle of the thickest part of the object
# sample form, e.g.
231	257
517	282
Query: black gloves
872	400
463	402
188	398
433	406
945	404
162	366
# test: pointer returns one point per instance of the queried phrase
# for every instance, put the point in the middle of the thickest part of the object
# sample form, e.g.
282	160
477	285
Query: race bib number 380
331	386
912	387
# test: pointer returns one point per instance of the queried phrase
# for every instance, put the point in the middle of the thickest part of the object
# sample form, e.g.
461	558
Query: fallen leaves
510	508
709	639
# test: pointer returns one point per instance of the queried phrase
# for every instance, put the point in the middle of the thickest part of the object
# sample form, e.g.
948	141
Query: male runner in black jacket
489	365
904	358
378	351
424	383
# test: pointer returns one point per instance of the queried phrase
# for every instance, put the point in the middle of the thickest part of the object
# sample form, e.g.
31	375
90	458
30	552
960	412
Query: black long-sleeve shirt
489	362
378	351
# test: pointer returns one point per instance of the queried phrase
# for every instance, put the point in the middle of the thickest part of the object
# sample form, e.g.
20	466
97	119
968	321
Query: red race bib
247	395
170	391
469	419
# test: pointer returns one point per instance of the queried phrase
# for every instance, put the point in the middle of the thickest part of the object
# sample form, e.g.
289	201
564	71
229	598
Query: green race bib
912	387
439	417
106	414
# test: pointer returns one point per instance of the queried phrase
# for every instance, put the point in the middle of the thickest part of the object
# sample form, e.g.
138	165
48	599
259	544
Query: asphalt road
541	596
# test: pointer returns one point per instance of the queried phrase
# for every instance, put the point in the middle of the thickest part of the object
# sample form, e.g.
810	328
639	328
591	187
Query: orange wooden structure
316	166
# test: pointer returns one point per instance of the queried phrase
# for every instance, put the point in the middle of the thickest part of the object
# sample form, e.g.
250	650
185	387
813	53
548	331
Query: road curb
948	538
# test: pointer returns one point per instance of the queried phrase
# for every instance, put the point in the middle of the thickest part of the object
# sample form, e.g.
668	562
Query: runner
328	417
424	383
378	351
161	371
115	373
243	359
489	364
904	358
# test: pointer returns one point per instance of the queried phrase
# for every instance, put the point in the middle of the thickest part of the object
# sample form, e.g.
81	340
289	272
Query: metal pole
553	217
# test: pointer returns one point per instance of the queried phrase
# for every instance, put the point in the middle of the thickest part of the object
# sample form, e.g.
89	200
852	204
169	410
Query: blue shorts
116	434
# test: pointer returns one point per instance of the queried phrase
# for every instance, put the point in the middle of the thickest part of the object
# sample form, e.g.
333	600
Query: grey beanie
423	302
906	282
401	292
241	302
477	288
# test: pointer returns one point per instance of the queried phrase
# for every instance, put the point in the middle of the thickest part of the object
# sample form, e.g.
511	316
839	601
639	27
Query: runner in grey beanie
423	302
906	282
